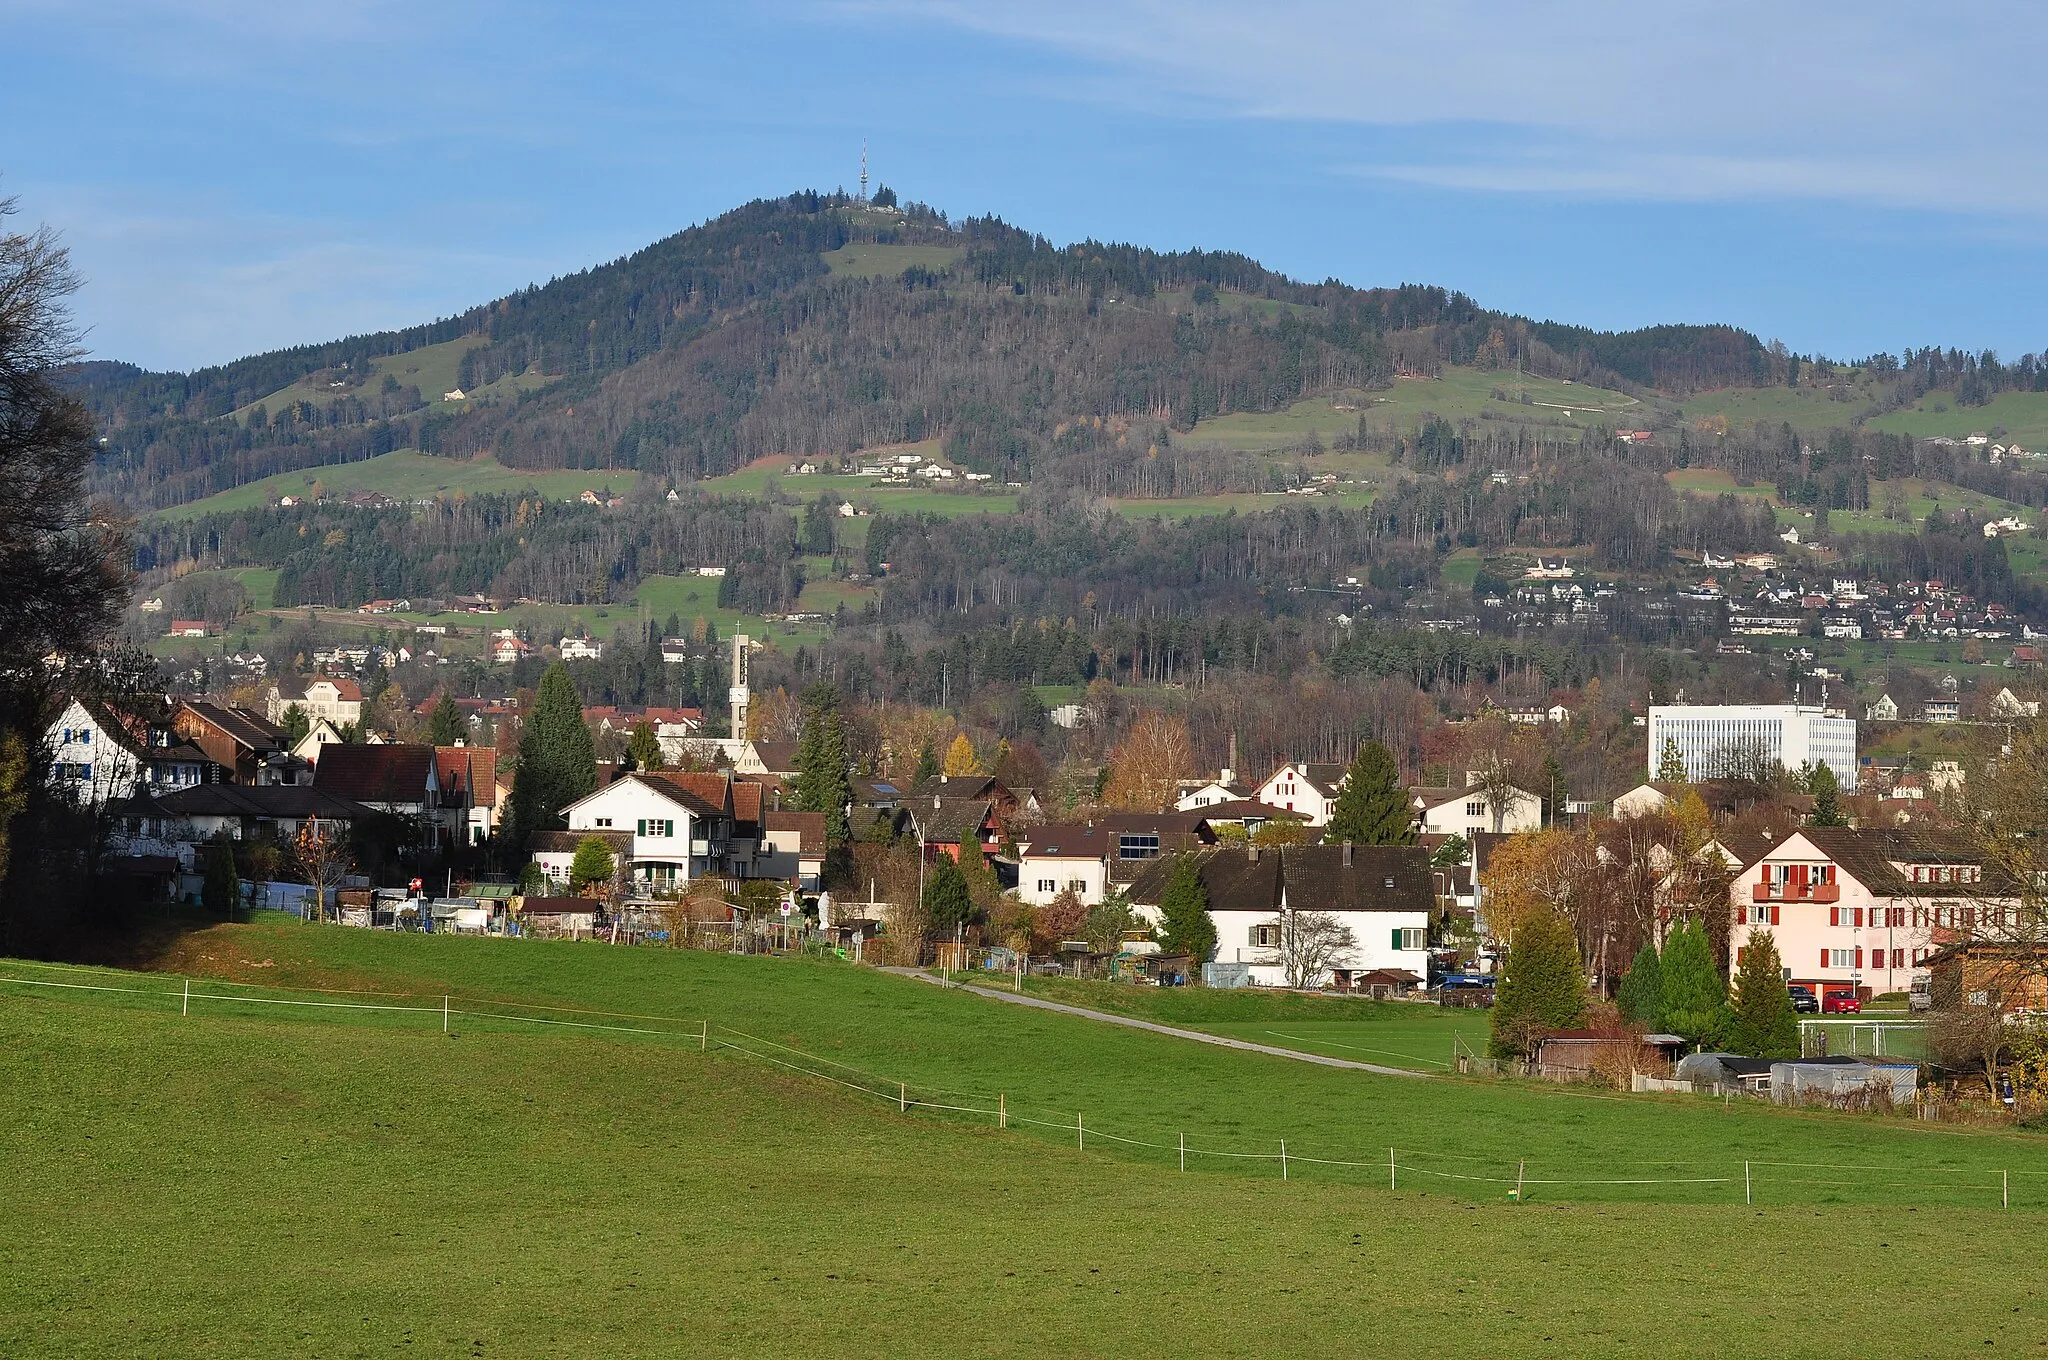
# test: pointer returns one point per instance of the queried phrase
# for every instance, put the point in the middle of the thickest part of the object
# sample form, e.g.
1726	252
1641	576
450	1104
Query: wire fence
1472	1174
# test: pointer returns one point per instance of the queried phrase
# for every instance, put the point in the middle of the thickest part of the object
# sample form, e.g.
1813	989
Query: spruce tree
445	725
1185	926
927	765
1671	763
1542	986
1641	997
645	748
1761	1022
557	761
1695	996
1373	807
1827	796
948	904
222	886
593	864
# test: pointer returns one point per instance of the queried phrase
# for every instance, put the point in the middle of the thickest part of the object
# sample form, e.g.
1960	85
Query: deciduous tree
1147	766
960	758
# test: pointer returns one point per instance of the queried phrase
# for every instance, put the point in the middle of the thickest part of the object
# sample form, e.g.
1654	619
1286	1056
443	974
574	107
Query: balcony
1797	892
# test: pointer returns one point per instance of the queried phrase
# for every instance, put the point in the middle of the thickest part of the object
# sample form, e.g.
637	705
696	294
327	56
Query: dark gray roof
1314	877
1868	854
565	842
287	801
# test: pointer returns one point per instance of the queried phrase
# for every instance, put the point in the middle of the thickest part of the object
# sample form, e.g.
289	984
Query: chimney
1251	849
1347	854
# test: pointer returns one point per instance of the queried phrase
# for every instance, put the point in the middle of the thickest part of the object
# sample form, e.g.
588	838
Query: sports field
250	1179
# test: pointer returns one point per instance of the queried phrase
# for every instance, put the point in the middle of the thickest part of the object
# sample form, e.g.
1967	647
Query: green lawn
251	1180
405	474
1459	394
434	369
867	260
2022	415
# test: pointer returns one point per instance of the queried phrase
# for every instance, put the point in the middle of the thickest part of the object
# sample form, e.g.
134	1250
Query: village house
248	749
98	755
399	778
335	698
666	828
1300	786
1468	810
1381	894
1861	911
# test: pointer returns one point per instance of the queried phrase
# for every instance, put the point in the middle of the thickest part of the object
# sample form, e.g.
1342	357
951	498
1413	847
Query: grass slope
230	1187
1149	1087
406	474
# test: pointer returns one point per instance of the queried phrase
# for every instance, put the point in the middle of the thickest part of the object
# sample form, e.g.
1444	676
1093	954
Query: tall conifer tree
1373	806
557	760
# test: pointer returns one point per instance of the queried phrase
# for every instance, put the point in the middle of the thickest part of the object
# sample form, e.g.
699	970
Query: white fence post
186	1007
444	1012
1283	1159
1183	1152
1745	1184
1390	1168
1080	1134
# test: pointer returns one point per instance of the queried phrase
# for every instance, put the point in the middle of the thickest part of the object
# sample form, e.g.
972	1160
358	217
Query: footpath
1198	1036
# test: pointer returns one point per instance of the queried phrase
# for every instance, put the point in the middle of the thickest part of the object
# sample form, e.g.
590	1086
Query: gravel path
1198	1036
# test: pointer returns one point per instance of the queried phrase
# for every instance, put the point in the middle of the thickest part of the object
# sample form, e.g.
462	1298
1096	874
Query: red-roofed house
469	790
398	777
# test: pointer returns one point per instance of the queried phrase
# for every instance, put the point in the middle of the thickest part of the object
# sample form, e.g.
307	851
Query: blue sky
234	176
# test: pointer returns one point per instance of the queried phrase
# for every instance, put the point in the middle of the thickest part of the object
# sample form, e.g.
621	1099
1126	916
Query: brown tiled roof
1066	841
469	774
778	756
393	772
707	795
1379	878
955	821
1867	854
748	798
1237	809
1236	880
245	727
292	802
810	827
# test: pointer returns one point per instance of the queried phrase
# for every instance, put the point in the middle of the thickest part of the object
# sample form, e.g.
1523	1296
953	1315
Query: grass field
1459	394
405	474
242	1182
434	369
867	260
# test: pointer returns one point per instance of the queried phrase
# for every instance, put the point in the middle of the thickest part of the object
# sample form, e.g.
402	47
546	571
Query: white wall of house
668	839
1041	878
1253	937
1289	787
1832	931
1472	811
88	763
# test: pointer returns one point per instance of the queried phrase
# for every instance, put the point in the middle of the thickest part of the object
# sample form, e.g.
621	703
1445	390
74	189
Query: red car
1841	1003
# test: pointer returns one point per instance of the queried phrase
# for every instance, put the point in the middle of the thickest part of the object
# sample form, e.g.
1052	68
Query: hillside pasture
869	260
434	369
406	474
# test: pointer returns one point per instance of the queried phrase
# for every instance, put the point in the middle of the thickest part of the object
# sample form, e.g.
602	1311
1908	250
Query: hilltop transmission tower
863	169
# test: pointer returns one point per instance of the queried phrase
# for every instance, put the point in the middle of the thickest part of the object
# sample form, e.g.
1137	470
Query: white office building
1717	740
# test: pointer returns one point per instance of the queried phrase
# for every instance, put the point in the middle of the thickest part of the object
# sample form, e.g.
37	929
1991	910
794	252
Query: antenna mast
863	169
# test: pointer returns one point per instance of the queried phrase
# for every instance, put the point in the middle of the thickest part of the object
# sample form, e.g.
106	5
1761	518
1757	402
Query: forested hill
816	325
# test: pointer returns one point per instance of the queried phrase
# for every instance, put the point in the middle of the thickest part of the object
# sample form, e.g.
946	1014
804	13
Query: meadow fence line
708	1037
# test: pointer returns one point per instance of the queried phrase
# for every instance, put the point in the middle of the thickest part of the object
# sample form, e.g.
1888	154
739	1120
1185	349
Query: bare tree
324	858
1311	944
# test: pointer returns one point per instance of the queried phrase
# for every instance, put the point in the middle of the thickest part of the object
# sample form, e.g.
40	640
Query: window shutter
1397	937
1858	912
1823	958
1774	913
1834	916
1859	958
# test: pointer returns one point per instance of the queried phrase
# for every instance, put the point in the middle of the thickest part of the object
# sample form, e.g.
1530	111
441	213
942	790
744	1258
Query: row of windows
1074	885
1269	936
1853	958
81	736
657	827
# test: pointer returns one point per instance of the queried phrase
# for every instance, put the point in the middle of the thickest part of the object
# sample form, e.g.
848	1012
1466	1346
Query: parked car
1803	1002
1841	1003
1920	998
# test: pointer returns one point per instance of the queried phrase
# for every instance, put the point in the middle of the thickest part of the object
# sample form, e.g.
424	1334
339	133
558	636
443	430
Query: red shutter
1774	913
1859	958
1823	958
1859	918
1834	916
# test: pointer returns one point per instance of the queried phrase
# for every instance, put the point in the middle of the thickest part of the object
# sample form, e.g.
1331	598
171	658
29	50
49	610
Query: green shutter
1397	937
640	827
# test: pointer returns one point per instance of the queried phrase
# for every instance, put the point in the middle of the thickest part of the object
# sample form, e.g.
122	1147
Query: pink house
1861	910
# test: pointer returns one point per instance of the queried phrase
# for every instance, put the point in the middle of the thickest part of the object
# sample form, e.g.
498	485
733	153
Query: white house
581	649
1860	910
678	833
1224	788
98	757
1468	810
1055	859
1304	787
1382	895
336	698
